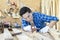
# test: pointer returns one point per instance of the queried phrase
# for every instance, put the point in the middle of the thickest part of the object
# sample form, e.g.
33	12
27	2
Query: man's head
26	13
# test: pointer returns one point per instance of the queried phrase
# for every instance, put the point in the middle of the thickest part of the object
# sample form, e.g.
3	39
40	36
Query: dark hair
23	10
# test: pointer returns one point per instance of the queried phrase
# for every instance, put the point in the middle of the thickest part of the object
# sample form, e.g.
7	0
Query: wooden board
1	37
21	36
7	35
55	34
38	36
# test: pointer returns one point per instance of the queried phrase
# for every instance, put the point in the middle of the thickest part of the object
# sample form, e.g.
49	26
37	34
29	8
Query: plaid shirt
39	20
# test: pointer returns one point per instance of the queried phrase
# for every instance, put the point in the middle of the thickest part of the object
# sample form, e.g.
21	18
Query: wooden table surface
24	35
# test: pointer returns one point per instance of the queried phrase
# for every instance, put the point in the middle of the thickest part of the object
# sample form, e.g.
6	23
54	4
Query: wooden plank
1	36
42	37
58	14
21	36
31	36
7	35
38	36
55	34
43	6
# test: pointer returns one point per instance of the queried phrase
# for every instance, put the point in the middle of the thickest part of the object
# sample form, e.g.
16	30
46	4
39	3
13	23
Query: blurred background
9	9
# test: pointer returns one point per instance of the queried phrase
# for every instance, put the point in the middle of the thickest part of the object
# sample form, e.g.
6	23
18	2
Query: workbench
7	35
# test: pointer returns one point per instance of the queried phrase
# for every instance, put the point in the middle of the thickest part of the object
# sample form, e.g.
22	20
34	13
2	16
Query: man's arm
52	20
51	24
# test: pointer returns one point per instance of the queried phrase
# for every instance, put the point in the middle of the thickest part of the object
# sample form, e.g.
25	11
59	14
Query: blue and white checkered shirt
39	20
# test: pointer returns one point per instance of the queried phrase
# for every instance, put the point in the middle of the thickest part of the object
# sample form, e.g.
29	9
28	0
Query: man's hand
33	29
33	26
51	24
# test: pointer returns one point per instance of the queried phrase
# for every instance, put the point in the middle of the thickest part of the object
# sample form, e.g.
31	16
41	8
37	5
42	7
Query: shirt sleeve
25	23
47	18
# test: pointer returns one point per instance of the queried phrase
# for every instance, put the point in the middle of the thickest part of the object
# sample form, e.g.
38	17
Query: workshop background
49	7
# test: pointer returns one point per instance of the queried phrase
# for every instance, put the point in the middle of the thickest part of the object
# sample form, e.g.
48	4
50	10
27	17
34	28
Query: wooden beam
21	36
38	36
42	37
55	34
43	9
1	37
30	35
58	13
7	35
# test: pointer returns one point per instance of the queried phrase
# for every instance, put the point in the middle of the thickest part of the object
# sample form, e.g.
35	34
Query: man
36	20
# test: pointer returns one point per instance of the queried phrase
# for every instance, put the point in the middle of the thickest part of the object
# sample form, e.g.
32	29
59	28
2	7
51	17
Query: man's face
28	16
